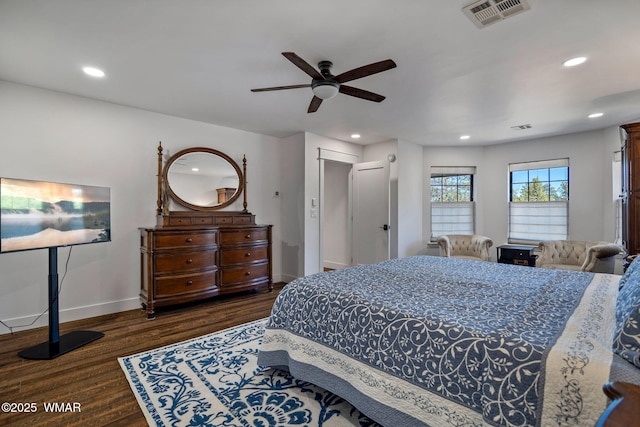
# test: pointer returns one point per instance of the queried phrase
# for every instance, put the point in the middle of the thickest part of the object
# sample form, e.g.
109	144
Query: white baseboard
71	314
286	278
84	312
334	265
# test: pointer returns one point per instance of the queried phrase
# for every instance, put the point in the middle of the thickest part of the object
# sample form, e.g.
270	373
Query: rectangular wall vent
486	12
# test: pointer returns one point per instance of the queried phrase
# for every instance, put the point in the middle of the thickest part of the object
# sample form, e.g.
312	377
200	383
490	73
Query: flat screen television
38	214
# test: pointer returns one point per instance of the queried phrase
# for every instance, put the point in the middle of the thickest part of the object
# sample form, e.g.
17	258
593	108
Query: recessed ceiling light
195	169
574	61
595	115
355	135
93	72
465	137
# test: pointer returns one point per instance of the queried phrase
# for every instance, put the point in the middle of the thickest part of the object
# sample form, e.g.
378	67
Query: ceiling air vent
487	12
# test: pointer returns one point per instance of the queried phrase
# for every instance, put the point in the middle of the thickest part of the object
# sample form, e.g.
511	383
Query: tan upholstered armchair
465	246
578	255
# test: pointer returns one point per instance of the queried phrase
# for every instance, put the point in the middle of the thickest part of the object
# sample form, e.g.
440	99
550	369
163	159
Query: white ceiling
198	59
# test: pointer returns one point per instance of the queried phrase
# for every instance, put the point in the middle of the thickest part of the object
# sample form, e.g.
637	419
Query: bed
432	341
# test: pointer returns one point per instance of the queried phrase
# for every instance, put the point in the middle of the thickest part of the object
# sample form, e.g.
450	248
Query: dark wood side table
517	254
624	410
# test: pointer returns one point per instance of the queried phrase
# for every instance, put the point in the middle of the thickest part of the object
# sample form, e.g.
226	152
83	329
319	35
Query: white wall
55	137
588	176
591	210
411	190
292	200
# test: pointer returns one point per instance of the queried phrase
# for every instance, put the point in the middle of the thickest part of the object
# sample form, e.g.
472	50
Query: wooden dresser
631	187
205	250
200	255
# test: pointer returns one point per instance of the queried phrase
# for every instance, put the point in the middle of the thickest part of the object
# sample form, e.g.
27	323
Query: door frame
340	157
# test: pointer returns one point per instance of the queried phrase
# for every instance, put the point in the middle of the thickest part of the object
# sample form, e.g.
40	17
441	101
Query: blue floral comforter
440	341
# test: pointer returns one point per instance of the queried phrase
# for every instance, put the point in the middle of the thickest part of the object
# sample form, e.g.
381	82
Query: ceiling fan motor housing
325	69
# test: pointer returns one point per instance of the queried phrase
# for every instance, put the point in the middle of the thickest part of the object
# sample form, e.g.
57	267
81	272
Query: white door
370	201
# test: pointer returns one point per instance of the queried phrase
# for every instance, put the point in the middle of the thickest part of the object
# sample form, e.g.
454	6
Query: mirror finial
244	173
160	198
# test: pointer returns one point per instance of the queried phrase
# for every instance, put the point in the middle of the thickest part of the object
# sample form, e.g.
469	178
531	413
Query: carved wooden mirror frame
165	192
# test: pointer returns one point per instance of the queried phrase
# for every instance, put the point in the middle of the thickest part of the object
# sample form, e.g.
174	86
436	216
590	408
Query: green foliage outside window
540	185
452	188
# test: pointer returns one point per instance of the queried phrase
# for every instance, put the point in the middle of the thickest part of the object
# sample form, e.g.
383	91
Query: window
617	191
452	207
539	200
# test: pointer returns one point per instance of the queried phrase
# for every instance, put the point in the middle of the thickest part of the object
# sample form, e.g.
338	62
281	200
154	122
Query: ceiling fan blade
265	89
361	93
303	65
366	70
315	104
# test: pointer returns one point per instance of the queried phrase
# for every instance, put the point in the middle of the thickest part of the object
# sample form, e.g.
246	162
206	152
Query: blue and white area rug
214	380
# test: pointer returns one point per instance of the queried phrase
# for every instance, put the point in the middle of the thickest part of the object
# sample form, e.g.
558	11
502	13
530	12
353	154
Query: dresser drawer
172	286
238	256
184	261
224	219
185	240
244	274
239	236
242	220
193	220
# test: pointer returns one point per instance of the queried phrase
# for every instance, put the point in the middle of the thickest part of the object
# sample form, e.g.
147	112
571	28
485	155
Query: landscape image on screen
37	214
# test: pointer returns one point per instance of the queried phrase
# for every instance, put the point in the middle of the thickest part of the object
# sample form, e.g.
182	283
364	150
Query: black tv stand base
57	344
67	342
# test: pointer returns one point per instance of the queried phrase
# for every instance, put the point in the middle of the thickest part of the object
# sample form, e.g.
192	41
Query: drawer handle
189	240
189	282
247	254
248	236
248	273
189	261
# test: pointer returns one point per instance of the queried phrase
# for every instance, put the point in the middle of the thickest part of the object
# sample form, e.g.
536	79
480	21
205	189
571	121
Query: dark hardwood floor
91	376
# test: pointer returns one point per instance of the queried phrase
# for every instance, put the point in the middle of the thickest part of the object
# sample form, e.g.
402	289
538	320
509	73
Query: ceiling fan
325	85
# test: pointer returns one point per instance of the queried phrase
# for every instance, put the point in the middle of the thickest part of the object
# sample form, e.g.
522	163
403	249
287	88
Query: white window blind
453	170
538	220
452	206
539	164
618	208
452	218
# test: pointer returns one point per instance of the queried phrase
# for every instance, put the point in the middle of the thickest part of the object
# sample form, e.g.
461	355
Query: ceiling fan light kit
325	89
325	85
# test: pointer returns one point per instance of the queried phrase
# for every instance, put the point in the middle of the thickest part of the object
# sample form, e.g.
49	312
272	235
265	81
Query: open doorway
336	214
354	213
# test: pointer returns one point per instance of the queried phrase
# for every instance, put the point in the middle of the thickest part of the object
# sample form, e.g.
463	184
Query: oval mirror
203	179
